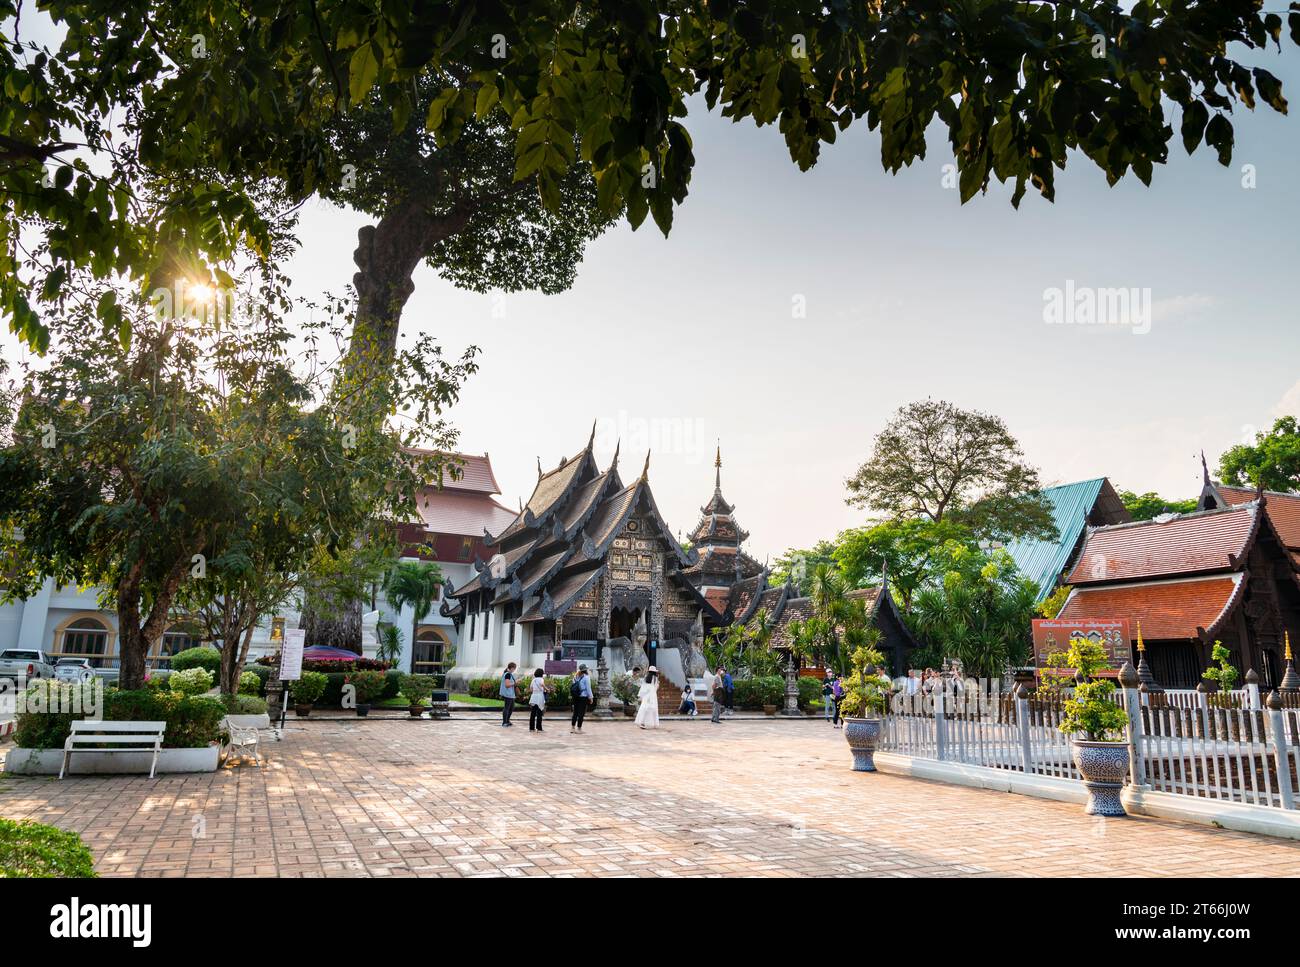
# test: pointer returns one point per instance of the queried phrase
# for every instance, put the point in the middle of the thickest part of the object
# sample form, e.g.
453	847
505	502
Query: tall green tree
198	468
906	552
798	565
936	462
1150	505
240	91
1271	462
414	583
979	613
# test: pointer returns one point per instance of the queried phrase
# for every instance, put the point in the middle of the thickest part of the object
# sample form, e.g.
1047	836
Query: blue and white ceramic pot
1104	767
862	735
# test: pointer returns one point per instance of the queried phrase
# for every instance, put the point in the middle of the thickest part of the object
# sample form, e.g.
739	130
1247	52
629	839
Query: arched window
85	638
175	640
430	651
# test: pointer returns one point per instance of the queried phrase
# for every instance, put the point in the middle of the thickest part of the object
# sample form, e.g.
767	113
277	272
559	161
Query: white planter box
46	762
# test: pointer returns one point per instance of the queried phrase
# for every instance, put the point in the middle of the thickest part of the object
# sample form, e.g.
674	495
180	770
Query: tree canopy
1271	462
936	462
212	96
1151	505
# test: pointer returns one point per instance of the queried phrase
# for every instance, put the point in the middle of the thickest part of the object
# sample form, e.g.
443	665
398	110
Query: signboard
291	654
553	666
578	650
1054	635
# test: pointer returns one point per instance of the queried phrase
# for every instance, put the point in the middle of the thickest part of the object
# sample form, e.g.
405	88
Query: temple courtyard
467	798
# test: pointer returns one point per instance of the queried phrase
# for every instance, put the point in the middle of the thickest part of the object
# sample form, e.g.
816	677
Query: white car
74	670
25	664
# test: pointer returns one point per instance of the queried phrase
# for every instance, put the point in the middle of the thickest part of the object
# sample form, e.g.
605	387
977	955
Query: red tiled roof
1283	510
1184	545
1167	609
475	472
453	512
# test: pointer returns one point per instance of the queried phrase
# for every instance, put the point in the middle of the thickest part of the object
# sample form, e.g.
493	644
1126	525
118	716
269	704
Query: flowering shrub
191	681
250	683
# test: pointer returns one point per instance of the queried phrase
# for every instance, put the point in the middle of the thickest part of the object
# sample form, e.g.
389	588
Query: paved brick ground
467	798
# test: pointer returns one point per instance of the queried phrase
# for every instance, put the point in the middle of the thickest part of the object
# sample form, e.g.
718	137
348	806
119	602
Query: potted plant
367	686
1096	725
417	689
863	702
306	691
626	690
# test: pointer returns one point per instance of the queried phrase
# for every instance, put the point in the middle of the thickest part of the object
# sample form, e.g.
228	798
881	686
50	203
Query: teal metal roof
1043	561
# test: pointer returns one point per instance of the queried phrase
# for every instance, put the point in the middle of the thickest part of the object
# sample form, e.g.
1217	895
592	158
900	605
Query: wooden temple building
1225	573
588	570
587	563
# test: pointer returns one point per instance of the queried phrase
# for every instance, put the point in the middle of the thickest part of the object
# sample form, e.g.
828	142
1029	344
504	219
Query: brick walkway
748	797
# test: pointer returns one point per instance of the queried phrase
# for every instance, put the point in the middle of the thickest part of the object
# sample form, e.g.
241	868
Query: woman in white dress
647	714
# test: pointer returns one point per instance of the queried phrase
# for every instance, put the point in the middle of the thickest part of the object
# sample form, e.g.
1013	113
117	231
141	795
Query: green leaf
363	72
1218	135
488	95
1194	117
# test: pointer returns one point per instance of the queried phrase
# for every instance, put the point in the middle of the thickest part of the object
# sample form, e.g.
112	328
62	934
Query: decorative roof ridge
527	519
1294	495
1228	606
599	497
759	590
553	609
1252	506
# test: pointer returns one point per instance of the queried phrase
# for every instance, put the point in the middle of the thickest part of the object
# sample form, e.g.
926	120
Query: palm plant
389	646
416	583
980	618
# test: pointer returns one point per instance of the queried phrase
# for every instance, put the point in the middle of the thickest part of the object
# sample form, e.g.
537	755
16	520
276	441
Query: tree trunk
336	627
132	648
234	655
386	256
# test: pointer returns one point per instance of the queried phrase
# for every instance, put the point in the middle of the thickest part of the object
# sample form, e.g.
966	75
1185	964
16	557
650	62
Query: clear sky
680	342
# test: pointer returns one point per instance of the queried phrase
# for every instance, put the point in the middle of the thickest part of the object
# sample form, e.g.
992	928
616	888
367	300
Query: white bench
121	736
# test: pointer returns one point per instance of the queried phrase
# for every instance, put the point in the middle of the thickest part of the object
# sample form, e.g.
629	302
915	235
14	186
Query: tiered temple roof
555	549
717	539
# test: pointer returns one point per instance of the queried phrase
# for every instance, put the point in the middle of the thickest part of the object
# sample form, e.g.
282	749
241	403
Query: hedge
193	721
29	849
754	693
810	690
201	657
333	694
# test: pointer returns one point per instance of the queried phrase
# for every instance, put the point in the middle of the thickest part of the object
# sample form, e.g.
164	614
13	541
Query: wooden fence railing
1226	748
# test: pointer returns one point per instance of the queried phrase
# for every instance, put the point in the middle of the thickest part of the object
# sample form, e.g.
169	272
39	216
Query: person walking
730	686
580	690
647	714
537	700
507	692
718	692
837	695
828	695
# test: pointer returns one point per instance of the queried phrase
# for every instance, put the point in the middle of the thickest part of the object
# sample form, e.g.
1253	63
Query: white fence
1190	744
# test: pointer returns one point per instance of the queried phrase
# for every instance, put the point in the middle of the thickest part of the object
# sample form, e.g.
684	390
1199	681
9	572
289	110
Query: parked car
74	670
29	663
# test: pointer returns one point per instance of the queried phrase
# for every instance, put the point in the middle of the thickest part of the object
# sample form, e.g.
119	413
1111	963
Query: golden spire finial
717	460
1287	635
1141	644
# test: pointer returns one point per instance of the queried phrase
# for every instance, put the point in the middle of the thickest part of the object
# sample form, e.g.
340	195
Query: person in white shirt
537	690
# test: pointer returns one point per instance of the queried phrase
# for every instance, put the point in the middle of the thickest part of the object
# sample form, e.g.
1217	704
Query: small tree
1089	711
418	584
1225	675
865	690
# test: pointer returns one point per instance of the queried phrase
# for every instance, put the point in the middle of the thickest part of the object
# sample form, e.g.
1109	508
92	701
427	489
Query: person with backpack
837	694
580	692
718	691
507	692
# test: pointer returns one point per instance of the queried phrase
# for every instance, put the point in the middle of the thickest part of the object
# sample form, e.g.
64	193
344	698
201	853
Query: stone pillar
604	690
791	687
